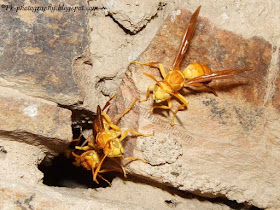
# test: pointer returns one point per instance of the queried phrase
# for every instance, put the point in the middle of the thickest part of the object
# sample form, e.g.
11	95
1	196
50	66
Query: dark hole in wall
61	172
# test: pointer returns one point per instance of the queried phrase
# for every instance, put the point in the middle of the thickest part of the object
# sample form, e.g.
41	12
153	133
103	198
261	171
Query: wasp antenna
153	78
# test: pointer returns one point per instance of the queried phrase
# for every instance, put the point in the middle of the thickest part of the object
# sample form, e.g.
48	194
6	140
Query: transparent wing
185	41
215	75
98	125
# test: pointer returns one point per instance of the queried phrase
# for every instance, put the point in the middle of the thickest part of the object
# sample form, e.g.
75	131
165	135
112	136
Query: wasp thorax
90	159
195	70
160	94
175	79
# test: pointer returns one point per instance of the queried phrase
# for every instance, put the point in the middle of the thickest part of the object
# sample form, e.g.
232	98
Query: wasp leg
169	102
151	88
204	85
101	177
109	121
75	155
97	169
123	169
134	132
133	159
87	140
84	148
126	110
108	102
153	64
80	136
109	170
185	104
77	162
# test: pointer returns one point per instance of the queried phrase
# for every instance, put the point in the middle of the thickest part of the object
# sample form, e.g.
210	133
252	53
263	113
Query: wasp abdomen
195	70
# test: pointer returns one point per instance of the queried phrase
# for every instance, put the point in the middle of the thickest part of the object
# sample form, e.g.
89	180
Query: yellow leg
169	102
123	169
109	121
87	140
97	169
153	64
126	110
101	177
133	159
107	118
185	104
110	170
75	155
85	148
115	127
151	88
134	132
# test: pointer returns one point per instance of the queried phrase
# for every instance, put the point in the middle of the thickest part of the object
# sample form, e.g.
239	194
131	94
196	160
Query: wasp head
114	148
161	92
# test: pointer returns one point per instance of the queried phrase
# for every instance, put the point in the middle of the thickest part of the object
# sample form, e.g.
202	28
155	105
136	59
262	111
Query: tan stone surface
228	142
223	146
35	121
21	187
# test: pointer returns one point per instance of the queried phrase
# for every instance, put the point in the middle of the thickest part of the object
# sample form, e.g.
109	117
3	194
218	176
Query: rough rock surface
99	71
21	187
22	195
34	121
36	56
222	146
123	13
228	142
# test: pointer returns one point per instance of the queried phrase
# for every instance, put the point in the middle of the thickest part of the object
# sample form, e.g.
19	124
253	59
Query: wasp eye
115	143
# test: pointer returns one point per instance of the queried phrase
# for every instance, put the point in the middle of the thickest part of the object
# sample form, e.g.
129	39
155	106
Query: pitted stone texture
167	149
36	56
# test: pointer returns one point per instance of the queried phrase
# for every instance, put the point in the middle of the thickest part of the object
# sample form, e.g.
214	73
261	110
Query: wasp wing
185	41
215	75
98	125
109	102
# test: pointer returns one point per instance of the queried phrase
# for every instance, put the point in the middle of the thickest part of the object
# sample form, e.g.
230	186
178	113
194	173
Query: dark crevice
191	195
62	173
81	117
